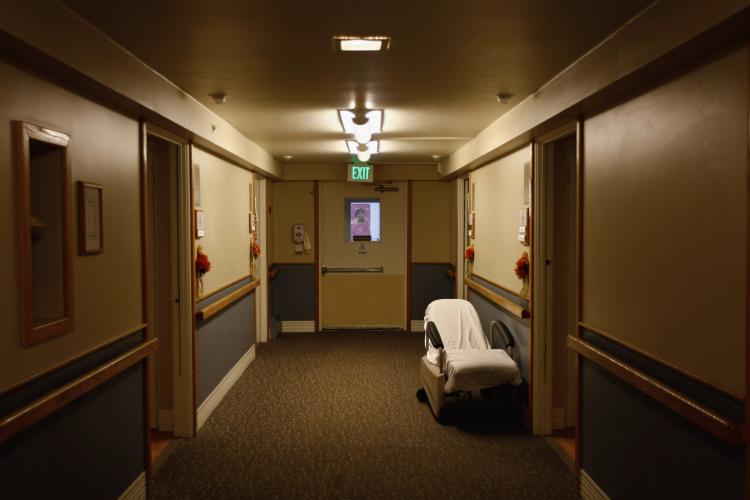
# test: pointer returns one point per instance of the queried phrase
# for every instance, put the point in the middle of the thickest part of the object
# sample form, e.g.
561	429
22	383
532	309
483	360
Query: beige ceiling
437	83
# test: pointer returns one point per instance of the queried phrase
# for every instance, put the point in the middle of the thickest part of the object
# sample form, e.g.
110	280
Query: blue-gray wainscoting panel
94	447
292	292
221	341
634	447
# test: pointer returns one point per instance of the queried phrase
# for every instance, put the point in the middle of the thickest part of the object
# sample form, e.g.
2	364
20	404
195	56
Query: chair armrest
433	335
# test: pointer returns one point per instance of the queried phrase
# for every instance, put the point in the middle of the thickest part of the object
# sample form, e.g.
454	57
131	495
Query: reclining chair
461	365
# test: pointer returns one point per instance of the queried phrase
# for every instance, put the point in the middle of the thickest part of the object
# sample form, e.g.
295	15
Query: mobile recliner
460	365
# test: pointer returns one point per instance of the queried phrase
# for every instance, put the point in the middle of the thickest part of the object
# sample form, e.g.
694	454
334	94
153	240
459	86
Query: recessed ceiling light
504	97
287	157
219	97
436	157
361	43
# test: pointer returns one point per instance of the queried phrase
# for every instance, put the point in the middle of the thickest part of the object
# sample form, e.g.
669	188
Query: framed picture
200	229
90	218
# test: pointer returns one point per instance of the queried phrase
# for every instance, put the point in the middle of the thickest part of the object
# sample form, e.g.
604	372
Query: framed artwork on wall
90	218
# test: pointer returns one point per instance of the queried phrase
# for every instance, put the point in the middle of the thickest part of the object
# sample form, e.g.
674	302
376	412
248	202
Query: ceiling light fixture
362	124
363	151
219	97
344	43
504	97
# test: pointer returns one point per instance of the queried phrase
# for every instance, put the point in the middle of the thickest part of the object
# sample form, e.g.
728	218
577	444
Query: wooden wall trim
666	364
222	288
62	364
579	286
497	299
718	425
224	302
316	235
26	416
747	278
501	287
409	229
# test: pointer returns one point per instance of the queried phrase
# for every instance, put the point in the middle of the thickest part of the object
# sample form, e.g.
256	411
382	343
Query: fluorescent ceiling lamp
361	43
371	147
361	124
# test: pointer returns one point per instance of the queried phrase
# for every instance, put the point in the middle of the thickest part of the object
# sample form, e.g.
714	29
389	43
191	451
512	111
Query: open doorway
556	282
169	274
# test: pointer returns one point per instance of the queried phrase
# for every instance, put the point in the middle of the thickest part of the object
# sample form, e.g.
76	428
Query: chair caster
422	395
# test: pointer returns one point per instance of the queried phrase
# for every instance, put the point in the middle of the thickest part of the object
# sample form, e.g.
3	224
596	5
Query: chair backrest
458	324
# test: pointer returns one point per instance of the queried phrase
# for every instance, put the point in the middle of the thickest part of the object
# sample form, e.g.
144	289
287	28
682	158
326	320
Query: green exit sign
360	172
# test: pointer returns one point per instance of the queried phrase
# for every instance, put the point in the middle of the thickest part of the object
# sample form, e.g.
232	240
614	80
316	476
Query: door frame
542	384
183	404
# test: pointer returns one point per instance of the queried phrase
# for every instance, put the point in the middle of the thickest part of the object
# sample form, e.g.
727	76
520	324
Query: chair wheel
422	395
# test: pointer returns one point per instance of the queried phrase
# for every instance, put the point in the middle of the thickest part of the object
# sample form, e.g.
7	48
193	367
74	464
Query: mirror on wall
44	232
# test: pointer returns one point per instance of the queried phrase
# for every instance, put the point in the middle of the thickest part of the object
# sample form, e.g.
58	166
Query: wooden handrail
222	288
31	413
494	297
272	274
450	273
716	424
224	302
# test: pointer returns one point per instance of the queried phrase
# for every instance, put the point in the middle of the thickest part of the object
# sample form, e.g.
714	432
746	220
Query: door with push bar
362	256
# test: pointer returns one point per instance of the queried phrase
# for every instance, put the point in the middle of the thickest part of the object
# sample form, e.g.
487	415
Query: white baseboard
298	326
558	418
417	325
166	420
212	401
590	490
137	490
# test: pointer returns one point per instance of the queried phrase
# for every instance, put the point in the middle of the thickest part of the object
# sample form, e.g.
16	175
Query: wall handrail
226	301
31	413
273	273
326	269
716	424
511	307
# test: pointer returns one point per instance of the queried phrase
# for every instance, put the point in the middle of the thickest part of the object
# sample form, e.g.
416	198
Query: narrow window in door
363	219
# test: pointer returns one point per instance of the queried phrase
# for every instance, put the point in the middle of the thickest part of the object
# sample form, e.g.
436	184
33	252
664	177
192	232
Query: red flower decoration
469	253
202	264
522	267
256	250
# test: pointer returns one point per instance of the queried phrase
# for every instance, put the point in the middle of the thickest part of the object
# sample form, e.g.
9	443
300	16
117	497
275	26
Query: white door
362	256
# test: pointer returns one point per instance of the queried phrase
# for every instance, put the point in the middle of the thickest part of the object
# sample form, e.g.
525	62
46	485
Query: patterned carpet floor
334	415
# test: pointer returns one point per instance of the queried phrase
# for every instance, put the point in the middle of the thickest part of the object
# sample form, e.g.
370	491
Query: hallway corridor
334	415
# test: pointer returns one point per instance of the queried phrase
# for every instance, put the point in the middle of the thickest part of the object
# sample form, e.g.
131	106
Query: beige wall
635	45
225	201
104	150
665	221
293	202
498	199
431	221
76	43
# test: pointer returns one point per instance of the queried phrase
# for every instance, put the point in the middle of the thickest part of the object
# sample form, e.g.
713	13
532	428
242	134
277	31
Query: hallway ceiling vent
344	43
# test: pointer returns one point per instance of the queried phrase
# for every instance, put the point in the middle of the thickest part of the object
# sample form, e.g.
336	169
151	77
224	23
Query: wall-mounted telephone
300	239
